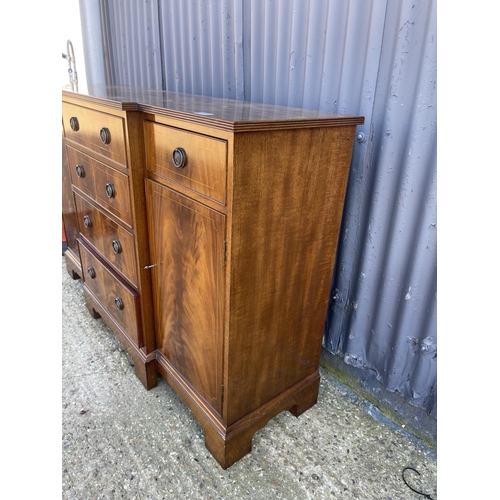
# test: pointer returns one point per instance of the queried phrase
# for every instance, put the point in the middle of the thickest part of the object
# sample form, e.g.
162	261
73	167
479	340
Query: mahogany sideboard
205	232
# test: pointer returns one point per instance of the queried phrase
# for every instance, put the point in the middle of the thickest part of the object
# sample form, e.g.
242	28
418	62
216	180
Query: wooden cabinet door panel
187	248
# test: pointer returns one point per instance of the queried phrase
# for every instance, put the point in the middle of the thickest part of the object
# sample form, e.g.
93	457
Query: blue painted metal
376	58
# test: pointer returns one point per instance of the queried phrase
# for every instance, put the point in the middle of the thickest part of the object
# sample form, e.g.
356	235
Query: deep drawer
201	160
112	240
105	185
98	131
119	300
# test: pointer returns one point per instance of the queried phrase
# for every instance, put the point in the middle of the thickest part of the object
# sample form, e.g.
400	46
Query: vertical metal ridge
169	41
214	40
185	64
160	45
394	224
239	84
315	55
131	39
282	54
268	83
374	187
108	50
298	52
352	238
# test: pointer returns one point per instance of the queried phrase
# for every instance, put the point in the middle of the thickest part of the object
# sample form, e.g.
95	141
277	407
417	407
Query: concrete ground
121	441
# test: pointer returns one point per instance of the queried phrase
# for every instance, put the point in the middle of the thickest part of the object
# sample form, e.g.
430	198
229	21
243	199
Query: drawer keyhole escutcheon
179	158
110	190
73	123
119	303
117	248
87	221
80	171
91	272
105	135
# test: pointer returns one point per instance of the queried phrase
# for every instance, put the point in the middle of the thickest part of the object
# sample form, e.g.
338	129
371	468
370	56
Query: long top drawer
100	132
195	161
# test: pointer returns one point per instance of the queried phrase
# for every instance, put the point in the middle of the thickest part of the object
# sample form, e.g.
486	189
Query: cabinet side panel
288	197
68	207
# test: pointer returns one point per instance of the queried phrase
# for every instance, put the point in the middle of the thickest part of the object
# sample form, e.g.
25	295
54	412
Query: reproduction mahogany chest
205	232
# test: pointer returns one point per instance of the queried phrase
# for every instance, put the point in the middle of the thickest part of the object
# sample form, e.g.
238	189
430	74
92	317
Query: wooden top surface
226	114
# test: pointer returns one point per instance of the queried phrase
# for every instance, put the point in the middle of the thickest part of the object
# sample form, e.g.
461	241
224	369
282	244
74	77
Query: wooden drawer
98	181
205	166
119	300
97	131
114	242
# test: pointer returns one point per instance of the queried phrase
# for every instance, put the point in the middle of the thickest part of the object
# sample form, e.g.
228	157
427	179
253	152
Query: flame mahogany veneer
205	231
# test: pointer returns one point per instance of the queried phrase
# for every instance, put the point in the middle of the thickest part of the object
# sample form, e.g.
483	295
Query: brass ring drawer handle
117	248
179	157
91	272
80	171
87	221
110	190
119	303
73	123
105	135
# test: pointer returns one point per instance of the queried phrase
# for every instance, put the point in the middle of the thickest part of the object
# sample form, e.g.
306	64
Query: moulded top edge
218	112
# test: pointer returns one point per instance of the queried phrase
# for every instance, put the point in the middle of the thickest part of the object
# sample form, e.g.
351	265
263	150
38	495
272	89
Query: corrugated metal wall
376	58
385	318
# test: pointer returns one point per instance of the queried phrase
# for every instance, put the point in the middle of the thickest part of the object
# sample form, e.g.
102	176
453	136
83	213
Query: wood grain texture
107	287
122	217
233	254
187	248
236	440
288	196
70	220
73	265
90	123
103	233
223	114
145	365
205	170
230	443
96	176
135	153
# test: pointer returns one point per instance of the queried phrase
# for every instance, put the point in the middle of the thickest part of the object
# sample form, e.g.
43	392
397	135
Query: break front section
207	231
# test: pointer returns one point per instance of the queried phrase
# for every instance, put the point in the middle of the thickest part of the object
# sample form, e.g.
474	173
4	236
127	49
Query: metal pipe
70	57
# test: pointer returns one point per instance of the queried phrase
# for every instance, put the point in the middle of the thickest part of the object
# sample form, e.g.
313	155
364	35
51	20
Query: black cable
413	489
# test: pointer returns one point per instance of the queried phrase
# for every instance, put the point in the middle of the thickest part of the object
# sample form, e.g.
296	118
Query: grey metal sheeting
375	58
